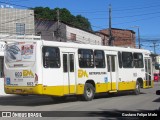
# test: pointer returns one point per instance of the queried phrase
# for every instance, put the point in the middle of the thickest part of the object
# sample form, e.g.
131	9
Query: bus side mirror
158	92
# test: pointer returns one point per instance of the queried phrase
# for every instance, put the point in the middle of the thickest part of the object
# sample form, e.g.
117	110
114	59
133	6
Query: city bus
60	69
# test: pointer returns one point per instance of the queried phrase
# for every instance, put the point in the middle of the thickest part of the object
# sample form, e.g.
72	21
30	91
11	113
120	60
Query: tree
65	16
82	21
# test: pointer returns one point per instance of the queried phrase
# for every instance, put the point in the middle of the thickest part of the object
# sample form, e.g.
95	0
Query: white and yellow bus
61	69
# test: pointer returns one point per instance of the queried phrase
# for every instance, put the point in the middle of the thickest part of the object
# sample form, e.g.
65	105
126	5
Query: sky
126	14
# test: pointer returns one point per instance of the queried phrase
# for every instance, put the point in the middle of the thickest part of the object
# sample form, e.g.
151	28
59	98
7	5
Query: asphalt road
102	107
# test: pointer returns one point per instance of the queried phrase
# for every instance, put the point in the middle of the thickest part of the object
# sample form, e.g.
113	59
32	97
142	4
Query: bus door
148	72
69	73
112	71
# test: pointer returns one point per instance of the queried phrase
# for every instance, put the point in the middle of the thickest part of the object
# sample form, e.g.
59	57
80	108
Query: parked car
156	77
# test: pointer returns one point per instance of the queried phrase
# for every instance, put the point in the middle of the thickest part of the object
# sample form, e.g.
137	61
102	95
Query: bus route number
29	83
18	74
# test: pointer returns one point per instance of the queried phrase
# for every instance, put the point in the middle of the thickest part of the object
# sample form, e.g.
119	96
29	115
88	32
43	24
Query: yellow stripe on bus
72	89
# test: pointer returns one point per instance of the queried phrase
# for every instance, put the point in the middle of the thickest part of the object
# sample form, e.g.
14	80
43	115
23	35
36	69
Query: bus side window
138	60
71	58
65	67
127	59
51	57
86	59
1	67
99	59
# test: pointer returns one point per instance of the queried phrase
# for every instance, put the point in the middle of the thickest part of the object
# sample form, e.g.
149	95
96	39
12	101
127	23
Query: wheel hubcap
137	87
89	92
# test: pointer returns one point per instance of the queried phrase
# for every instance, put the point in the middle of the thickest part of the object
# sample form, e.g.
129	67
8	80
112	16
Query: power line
15	4
154	47
125	22
97	11
98	27
131	15
91	25
119	10
137	20
136	8
106	11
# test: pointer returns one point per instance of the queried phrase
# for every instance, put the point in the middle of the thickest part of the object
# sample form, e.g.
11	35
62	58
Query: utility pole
139	44
154	47
139	40
110	26
58	31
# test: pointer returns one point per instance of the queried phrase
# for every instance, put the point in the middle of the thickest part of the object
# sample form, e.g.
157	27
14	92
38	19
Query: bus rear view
20	68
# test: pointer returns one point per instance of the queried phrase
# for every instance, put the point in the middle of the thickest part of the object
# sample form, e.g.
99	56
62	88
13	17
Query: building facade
104	37
81	36
121	37
51	30
16	21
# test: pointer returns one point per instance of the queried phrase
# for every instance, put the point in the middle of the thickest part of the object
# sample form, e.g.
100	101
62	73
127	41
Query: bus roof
85	46
89	46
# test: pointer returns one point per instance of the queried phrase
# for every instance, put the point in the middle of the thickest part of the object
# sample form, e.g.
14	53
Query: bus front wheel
89	92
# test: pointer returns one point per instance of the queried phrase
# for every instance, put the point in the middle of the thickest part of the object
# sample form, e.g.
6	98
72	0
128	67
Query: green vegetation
64	16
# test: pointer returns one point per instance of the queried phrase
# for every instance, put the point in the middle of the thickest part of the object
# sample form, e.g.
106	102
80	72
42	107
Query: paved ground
103	106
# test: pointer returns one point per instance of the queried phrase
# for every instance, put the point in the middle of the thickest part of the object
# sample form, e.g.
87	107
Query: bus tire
137	89
89	92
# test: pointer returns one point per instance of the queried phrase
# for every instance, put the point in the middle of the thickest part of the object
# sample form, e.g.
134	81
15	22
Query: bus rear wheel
89	92
137	89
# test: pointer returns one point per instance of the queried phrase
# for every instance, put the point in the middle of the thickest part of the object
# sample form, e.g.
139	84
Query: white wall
83	36
14	15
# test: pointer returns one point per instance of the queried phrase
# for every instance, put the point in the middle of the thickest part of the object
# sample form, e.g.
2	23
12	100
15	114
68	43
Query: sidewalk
7	95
